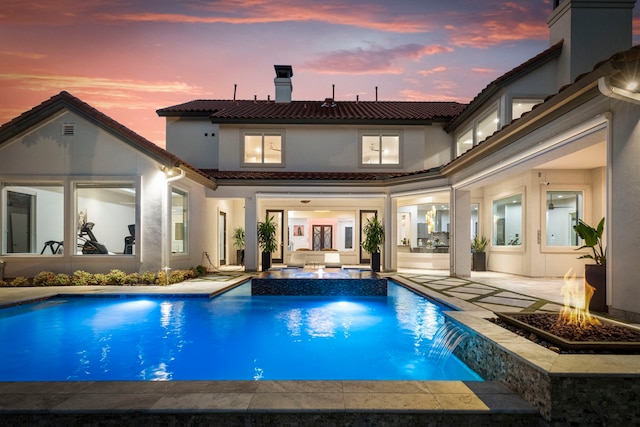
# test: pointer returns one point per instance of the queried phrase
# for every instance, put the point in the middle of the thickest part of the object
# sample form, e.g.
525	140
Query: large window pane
464	142
179	221
507	221
487	126
475	215
381	149
34	219
564	208
253	148
106	217
390	150
521	106
263	148
424	227
272	149
370	149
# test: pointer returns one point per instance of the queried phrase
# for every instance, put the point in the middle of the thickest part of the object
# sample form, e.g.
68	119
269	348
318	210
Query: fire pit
606	336
574	328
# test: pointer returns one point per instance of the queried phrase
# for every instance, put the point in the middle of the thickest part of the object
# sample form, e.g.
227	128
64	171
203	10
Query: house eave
328	121
581	91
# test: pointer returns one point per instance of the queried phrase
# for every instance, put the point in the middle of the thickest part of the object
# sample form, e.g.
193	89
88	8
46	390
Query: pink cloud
376	60
375	17
23	55
416	95
49	82
432	71
484	70
512	22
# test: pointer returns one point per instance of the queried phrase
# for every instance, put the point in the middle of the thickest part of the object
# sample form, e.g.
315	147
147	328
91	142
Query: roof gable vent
68	129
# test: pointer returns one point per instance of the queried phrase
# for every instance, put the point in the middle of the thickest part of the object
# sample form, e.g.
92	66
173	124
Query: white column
460	247
251	235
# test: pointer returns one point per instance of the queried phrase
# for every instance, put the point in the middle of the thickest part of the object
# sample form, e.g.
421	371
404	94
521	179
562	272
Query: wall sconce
170	171
173	173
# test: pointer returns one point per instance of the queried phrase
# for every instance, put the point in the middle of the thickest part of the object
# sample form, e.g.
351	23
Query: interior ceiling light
633	85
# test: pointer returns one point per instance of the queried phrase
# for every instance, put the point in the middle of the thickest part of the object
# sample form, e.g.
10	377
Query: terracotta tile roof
397	112
65	100
221	176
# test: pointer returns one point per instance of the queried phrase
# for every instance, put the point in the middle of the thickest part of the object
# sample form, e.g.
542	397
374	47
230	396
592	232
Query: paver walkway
485	295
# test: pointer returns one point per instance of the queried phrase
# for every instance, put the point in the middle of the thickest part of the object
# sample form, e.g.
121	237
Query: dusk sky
129	58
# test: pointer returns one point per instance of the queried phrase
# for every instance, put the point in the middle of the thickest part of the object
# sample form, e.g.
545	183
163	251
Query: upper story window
487	125
464	142
480	129
380	149
263	148
519	106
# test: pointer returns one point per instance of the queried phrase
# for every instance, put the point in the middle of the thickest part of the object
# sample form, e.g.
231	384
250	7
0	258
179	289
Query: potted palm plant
238	243
374	238
478	255
267	240
594	274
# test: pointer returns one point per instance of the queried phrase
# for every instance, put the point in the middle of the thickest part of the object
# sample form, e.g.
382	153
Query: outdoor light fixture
608	88
173	173
170	171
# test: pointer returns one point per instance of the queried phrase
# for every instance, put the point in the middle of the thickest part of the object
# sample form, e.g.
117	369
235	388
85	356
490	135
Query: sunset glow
132	57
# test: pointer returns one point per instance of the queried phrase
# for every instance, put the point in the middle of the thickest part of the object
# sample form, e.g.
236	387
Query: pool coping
566	388
252	397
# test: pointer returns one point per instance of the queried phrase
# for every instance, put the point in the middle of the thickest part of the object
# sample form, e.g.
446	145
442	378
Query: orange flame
577	296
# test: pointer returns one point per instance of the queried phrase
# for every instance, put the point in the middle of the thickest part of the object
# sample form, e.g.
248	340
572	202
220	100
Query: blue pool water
234	336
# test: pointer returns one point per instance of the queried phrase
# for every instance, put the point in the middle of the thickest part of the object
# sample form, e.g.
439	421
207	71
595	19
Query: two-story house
552	141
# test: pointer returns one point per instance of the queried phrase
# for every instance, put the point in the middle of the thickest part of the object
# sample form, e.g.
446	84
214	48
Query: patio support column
389	216
460	250
251	233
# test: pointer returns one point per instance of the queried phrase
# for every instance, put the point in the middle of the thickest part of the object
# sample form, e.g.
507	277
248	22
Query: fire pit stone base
580	389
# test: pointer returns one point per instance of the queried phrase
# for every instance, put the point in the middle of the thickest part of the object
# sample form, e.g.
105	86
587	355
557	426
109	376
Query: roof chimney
284	88
592	31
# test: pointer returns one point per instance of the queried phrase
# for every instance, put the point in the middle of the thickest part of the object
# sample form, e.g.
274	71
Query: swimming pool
234	336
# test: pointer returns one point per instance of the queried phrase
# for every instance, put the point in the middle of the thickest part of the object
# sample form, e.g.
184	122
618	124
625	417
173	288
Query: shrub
132	279
201	270
116	277
161	278
3	284
192	273
81	278
100	279
44	278
148	278
176	276
63	279
20	281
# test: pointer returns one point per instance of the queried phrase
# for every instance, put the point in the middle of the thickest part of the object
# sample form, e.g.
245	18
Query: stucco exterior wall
337	148
194	139
92	155
623	211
